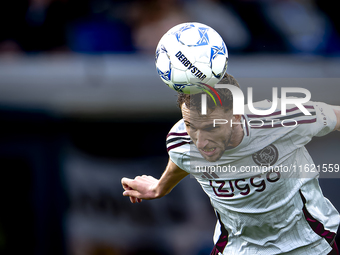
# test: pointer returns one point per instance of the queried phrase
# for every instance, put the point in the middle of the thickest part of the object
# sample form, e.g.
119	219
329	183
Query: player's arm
336	110
148	187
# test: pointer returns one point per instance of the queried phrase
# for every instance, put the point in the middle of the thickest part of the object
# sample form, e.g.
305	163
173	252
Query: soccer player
256	171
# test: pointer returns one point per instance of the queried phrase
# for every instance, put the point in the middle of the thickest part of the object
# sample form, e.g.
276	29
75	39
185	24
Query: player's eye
192	129
211	128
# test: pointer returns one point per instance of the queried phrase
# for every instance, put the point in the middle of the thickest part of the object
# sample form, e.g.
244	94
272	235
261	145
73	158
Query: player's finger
131	193
126	187
125	181
133	199
129	182
139	200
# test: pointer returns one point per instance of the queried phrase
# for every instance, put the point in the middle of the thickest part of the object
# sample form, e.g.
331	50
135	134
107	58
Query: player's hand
142	187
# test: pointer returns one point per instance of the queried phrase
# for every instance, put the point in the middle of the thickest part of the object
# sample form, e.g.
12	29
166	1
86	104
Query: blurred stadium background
81	106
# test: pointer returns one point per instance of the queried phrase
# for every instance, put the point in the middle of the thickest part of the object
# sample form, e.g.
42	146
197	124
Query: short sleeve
322	122
178	145
297	126
326	119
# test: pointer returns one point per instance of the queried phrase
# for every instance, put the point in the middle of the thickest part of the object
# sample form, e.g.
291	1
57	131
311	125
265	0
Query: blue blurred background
81	106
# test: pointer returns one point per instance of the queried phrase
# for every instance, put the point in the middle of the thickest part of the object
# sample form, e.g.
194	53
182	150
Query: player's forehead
195	117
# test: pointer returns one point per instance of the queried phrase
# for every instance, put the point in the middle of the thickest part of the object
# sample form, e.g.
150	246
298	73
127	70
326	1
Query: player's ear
236	118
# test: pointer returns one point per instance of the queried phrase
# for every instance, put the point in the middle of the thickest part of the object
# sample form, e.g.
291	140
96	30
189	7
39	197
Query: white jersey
265	200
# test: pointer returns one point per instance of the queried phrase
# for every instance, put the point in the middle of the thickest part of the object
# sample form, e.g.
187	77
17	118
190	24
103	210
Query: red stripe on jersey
178	134
316	225
335	250
176	145
223	239
279	112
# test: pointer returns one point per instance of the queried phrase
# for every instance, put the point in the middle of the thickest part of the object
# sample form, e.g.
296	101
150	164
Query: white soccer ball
191	56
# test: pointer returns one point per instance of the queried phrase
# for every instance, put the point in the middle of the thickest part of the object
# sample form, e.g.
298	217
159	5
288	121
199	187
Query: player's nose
202	140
